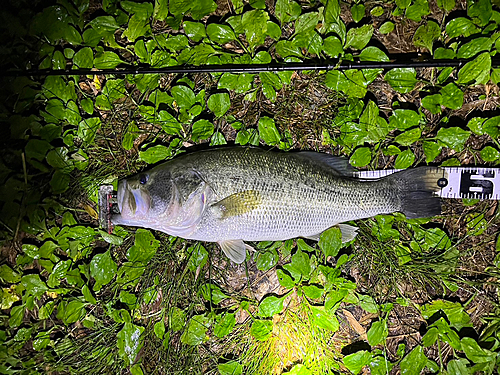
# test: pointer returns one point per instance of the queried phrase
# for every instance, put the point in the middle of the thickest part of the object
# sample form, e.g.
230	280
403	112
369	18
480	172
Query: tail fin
417	187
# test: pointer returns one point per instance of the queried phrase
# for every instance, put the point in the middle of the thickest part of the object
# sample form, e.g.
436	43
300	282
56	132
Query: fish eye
143	179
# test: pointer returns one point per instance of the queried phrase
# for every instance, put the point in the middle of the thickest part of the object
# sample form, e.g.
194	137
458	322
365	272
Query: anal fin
236	250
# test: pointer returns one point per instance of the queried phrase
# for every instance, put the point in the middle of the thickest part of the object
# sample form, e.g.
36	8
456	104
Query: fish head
146	198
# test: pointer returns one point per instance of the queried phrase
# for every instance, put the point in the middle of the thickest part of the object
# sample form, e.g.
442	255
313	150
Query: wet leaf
144	248
219	103
268	131
255	25
332	46
476	71
403	119
287	11
386	28
240	83
414	362
225	326
426	35
473	47
490	154
34	285
432	103
451	96
358	38
357	361
402	80
202	129
102	268
330	242
453	137
325	319
195	332
108	60
74	311
372	53
221	34
194	30
409	137
286	48
266	260
405	159
270	306
461	26
129	342
361	157
261	329
358	12
377	333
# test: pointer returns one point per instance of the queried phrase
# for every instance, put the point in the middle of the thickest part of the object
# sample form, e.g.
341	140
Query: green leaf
432	103
490	154
225	326
351	82
104	24
333	46
287	11
417	10
359	37
368	304
356	361
476	71
285	279
403	119
451	96
286	48
461	26
74	311
144	248
102	268
402	80
8	275
16	316
431	150
409	137
183	96
87	129
446	5
194	30
219	103
414	362
481	11
330	242
195	332
313	291
159	329
202	129
306	22
361	157
300	262
332	12
268	131
266	260
261	329
298	370
84	58
358	12
88	295
426	35
240	83
372	53
454	137
34	285
377	333
155	154
270	306
255	25
108	60
230	368
405	159
129	342
475	46
386	28
475	353
325	319
221	34
430	337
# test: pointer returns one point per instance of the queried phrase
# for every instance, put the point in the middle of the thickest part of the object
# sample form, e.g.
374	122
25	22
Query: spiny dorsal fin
339	164
239	203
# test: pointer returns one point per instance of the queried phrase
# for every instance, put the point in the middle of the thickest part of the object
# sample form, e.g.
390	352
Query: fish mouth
132	202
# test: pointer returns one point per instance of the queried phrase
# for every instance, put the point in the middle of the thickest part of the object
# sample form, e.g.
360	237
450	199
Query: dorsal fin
339	164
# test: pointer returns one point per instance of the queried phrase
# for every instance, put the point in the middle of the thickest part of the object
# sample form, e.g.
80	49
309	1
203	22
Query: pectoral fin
236	250
238	203
348	232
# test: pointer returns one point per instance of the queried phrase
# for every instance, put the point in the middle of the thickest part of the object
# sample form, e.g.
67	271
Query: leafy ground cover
406	296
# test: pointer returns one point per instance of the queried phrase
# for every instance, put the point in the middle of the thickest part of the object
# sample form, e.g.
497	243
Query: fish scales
252	194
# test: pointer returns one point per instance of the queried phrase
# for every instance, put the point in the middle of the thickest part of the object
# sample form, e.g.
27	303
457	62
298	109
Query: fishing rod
250	68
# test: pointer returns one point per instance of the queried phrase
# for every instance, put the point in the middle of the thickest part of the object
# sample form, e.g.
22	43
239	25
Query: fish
232	195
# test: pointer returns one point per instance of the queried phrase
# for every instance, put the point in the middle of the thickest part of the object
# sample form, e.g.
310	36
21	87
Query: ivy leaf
454	137
426	35
102	268
270	306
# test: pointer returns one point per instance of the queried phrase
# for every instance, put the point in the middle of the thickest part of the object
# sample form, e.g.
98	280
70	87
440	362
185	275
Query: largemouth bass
237	194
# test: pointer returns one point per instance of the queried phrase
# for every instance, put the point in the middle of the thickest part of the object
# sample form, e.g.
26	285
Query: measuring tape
461	182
